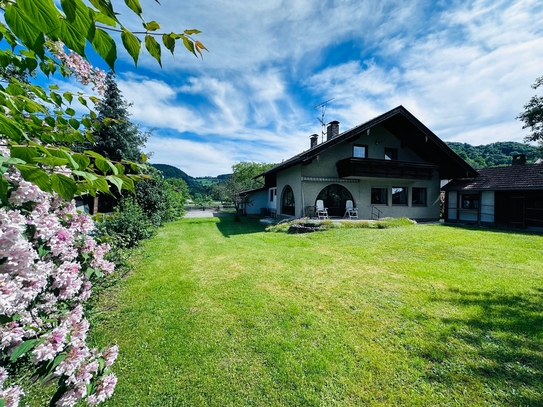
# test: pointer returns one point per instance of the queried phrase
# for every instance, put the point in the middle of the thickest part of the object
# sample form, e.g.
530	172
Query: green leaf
106	8
82	100
103	19
189	45
74	123
70	112
22	349
151	26
115	181
101	184
86	122
128	183
82	160
51	161
134	5
72	37
102	165
4	187
89	176
120	168
8	36
105	46
80	17
132	44
31	64
35	175
68	96
50	121
57	99
44	16
153	47
64	186
27	154
193	31
24	29
11	129
168	42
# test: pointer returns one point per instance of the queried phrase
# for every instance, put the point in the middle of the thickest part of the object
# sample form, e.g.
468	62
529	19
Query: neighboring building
509	196
391	166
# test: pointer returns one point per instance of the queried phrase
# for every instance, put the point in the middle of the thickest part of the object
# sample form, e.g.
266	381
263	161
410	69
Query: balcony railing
373	168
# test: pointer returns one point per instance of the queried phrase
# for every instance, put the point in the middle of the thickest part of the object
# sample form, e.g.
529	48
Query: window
399	196
288	201
273	194
391	153
469	201
360	151
379	196
418	196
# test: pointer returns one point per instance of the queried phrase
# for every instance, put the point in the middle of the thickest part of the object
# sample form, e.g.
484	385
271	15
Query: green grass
218	313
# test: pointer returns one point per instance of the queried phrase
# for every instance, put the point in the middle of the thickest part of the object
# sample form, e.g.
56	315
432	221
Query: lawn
218	313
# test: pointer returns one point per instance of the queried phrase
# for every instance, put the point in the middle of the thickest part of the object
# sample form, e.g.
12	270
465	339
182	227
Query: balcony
372	168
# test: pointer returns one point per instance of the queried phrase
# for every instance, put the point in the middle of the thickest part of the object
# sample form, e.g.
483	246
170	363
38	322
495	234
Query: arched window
335	197
287	203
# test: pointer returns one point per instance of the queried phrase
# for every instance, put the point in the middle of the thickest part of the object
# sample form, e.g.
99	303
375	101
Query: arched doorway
335	197
287	201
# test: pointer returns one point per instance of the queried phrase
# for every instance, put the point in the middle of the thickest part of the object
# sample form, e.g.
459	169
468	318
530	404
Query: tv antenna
321	119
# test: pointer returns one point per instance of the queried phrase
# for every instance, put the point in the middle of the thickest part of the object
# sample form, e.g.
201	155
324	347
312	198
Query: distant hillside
197	185
494	154
169	171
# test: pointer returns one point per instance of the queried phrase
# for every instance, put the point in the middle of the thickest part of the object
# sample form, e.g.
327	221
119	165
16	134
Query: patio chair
350	210
322	212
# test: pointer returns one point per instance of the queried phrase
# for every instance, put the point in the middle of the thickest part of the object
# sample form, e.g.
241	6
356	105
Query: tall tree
242	179
117	138
533	115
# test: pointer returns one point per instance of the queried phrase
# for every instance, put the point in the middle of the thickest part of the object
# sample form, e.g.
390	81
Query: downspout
479	209
303	200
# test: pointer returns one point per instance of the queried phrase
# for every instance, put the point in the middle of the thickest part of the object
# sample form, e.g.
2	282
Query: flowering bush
48	261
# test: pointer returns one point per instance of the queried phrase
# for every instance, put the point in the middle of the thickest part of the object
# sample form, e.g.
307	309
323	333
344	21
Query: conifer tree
118	138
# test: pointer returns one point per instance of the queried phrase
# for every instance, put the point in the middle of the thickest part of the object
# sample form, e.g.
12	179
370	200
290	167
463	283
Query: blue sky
464	68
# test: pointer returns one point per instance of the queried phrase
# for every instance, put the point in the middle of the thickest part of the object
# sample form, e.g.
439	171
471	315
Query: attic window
391	153
360	151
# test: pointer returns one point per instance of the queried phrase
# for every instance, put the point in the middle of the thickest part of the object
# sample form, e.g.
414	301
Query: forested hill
197	186
494	154
169	171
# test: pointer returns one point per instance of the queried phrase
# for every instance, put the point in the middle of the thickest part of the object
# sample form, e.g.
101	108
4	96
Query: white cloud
464	69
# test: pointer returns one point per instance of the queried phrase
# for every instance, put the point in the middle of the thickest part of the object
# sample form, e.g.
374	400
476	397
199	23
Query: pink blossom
103	391
11	396
110	355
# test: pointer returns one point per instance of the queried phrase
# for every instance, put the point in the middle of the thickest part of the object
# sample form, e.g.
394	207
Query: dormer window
391	154
360	151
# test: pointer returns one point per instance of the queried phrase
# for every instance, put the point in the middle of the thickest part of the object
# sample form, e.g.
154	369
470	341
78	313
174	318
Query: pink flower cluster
81	68
47	260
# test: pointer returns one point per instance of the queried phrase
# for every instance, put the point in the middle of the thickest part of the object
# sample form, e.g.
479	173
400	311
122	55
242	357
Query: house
391	166
510	196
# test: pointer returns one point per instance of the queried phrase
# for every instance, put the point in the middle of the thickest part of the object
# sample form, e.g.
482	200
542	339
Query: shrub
127	226
48	263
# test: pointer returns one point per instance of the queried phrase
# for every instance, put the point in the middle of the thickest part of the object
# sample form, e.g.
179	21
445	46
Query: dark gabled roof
409	130
522	176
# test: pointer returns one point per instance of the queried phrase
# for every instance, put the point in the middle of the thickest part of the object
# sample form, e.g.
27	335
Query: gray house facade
390	166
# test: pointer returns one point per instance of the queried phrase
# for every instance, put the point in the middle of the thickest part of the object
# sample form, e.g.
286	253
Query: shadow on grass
495	229
497	341
247	224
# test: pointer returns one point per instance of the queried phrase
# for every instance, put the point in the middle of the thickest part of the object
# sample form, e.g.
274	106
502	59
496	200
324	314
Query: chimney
519	159
314	139
332	130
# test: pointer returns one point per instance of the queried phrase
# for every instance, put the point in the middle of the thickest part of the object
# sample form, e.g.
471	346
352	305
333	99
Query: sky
463	68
